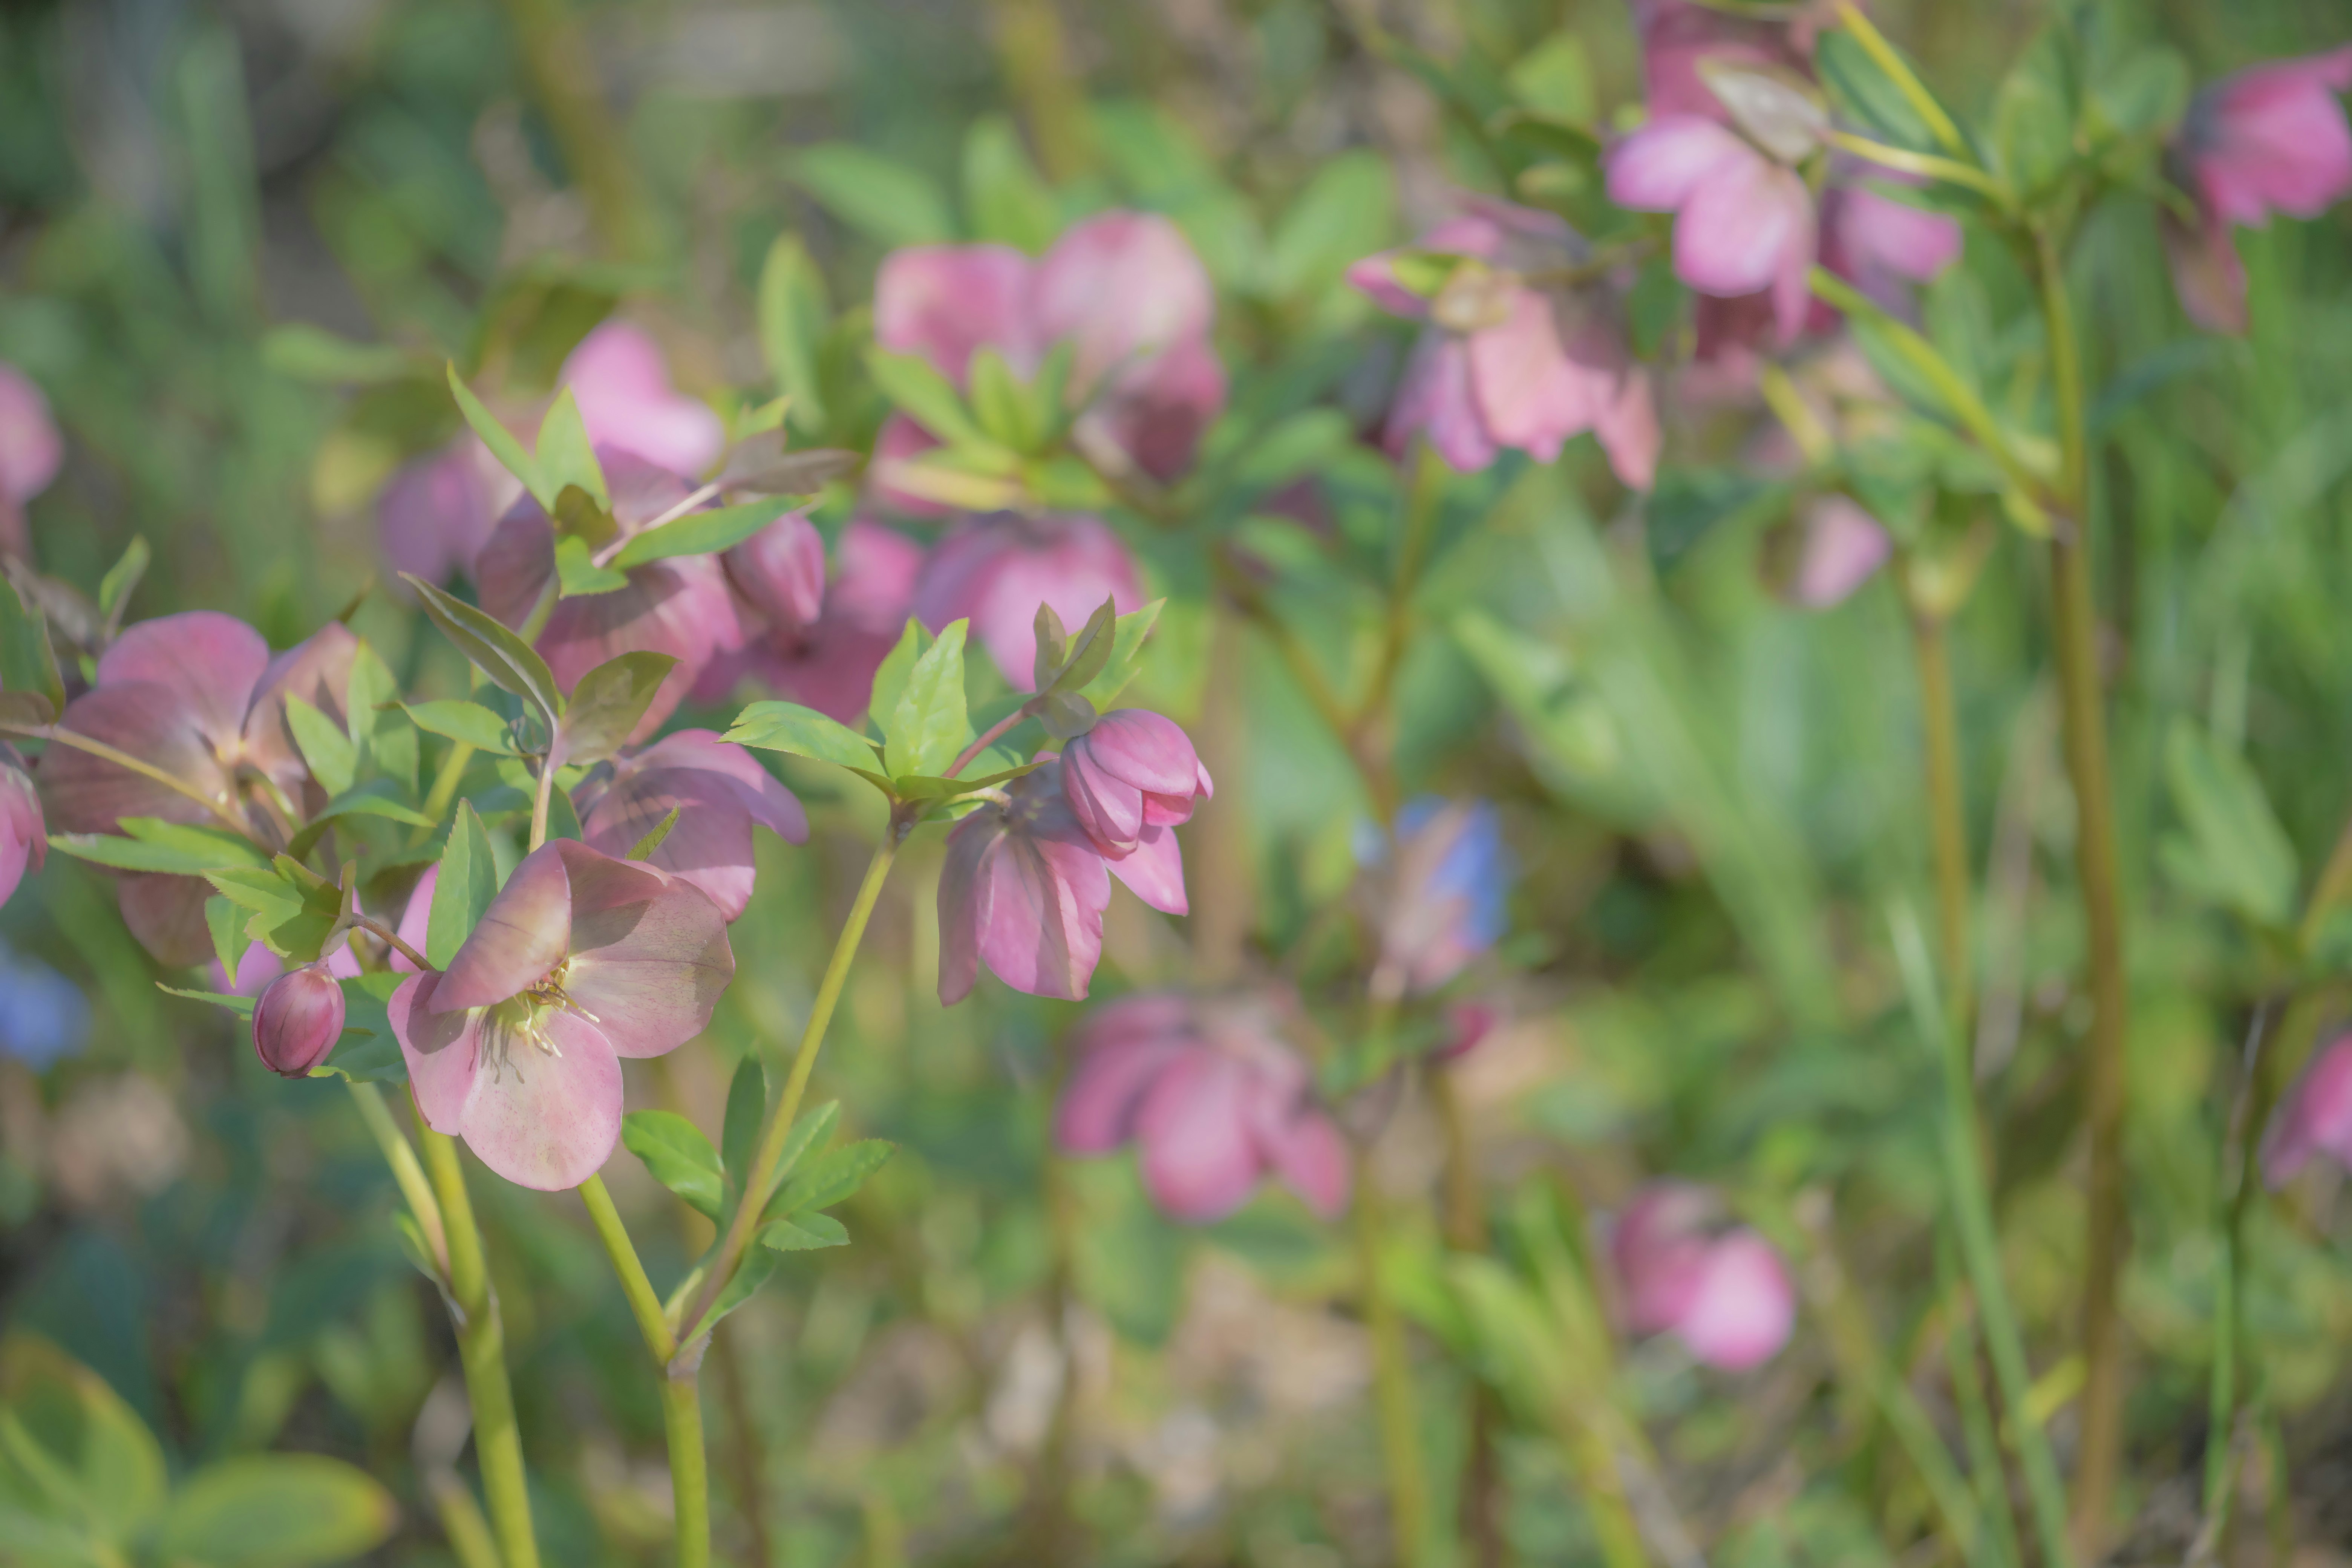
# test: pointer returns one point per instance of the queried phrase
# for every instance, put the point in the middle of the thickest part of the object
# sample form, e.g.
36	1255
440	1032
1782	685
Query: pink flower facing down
1679	36
1212	1097
1727	1295
31	451
681	606
579	961
1744	220
199	696
24	836
817	644
2272	139
1129	782
1123	288
2317	1118
718	790
995	570
1024	889
1508	362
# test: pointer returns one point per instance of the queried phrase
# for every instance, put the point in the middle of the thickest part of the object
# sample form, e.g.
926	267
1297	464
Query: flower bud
298	1021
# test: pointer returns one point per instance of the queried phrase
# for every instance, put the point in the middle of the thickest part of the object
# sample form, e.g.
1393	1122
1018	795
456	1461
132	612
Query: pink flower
298	1021
437	513
828	663
1467	1023
1213	1098
1122	288
2272	139
30	453
681	606
1878	244
718	790
1677	35
1443	902
2315	1119
995	570
626	399
199	696
1507	364
1725	1296
1744	221
781	571
24	835
1840	548
581	960
1129	782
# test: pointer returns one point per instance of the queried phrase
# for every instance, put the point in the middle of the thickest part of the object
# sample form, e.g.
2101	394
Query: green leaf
757	1267
502	442
926	396
240	1006
2034	111
383	739
1688	504
804	731
1346	212
1858	85
259	889
66	1434
880	197
890	678
304	353
833	1176
468	880
607	704
1125	656
326	745
226	926
804	1232
645	847
511	663
1004	197
702	532
1088	654
678	1156
470	723
275	1511
2235	853
747	1109
374	798
566	457
154	845
928	725
577	575
1000	403
115	588
793	317
810	1128
27	666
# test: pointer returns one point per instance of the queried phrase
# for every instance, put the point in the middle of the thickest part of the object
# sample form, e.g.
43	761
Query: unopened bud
298	1021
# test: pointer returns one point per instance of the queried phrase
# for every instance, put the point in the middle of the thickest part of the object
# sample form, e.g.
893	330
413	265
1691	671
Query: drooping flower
2315	1119
1213	1098
581	960
24	836
781	572
1508	361
198	696
436	513
1129	780
995	570
1724	1292
43	1016
2270	139
824	659
1744	220
718	790
1878	244
1123	288
1442	903
298	1020
30	453
1680	35
681	606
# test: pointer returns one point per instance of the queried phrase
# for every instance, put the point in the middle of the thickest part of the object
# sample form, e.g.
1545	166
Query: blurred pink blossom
826	663
1878	244
437	513
1840	547
995	570
580	959
1744	220
719	792
1677	35
2270	139
1023	890
23	834
1129	780
1724	1292
31	451
1508	362
2317	1118
1212	1097
297	1021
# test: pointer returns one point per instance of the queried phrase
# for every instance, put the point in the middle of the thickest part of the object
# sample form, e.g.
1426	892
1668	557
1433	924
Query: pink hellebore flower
1727	1296
1840	547
1129	780
579	961
1743	218
995	570
437	513
31	451
718	790
1213	1098
199	696
681	606
817	645
2317	1118
2271	138
1678	35
1507	363
24	835
1878	244
1123	288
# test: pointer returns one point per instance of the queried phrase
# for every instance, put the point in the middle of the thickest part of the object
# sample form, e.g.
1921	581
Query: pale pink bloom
781	572
2317	1118
1123	288
23	834
1724	1292
1131	779
580	961
31	451
617	377
1023	890
1879	244
1678	35
1507	363
995	570
828	663
1212	1099
298	1020
2271	138
437	513
1744	221
1840	546
718	790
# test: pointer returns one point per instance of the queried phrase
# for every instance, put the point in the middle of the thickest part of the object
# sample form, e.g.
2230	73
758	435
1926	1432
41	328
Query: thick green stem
643	1304
689	1469
1480	1505
1947	826
1393	1394
788	1106
443	790
481	1349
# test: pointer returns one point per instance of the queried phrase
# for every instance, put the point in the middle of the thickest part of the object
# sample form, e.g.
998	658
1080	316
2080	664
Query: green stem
689	1467
541	801
788	1106
1393	1394
59	736
2237	1185
445	788
645	1305
406	1173
2000	1544
1898	71
1948	828
462	1524
481	1349
1480	1505
1925	165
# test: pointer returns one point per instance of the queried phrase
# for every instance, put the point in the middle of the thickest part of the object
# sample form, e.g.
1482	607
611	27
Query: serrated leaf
28	668
607	704
240	1006
804	731
747	1109
456	719
326	746
511	663
577	575
804	1232
170	847
225	924
832	1176
928	724
566	456
926	396
702	532
468	880
810	1128
502	442
677	1155
1125	656
890	676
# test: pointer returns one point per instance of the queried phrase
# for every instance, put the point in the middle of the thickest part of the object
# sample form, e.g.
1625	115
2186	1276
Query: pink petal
2315	1119
649	952
31	450
1434	400
1879	235
210	661
522	936
1108	809
1099	1105
154	722
1532	396
1660	167
1628	430
1200	1163
1844	545
1158	412
1740	227
1676	35
626	399
1154	872
2206	273
995	573
2274	138
436	513
439	1048
969	843
516	568
1660	1253
1741	1312
944	302
23	838
1304	1149
1121	285
780	569
1040	914
317	670
680	606
874	581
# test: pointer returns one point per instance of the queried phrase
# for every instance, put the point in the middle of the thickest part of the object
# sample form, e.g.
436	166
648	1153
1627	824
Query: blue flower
1447	900
43	1016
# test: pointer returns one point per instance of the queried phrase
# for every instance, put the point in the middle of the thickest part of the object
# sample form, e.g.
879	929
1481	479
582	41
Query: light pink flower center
1476	296
523	1017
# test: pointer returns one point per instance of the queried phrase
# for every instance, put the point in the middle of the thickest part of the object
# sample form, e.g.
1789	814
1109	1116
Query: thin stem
540	803
1480	1505
788	1105
1393	1394
645	1305
406	1173
1948	828
963	758
481	1349
392	939
121	759
1898	71
689	1467
462	1524
2000	1544
1421	507
445	788
2236	1186
1925	166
